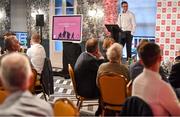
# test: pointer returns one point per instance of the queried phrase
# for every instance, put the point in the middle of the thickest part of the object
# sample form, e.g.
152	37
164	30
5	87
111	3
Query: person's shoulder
123	66
42	103
30	48
137	79
164	86
104	64
131	13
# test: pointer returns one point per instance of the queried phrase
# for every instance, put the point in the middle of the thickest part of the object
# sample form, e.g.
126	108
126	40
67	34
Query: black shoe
67	76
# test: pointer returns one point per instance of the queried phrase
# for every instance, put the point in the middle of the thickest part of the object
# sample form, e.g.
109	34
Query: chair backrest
72	76
64	107
135	106
47	77
3	95
33	81
112	88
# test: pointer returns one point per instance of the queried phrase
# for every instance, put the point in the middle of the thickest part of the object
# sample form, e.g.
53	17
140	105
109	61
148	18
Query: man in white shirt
36	53
149	86
126	21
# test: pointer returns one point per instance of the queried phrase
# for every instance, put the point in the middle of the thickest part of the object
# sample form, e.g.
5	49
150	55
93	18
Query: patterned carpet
63	88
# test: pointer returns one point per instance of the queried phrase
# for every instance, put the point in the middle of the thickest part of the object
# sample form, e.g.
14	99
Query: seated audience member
15	75
107	42
86	68
136	68
174	77
36	53
149	86
7	34
114	54
11	44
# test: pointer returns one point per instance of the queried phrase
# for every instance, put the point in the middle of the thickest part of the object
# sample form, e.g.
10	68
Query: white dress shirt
37	54
158	94
126	22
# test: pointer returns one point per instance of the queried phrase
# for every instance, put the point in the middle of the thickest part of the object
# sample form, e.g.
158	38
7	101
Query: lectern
114	29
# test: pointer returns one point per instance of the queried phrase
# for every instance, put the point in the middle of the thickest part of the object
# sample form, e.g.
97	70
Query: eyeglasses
125	6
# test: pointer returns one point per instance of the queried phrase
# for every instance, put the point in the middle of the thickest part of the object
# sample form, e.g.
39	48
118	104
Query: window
63	7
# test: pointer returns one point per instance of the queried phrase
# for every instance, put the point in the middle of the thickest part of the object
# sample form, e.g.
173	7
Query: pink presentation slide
67	28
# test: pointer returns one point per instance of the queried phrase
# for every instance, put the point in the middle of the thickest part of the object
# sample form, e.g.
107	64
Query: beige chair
112	88
64	107
3	95
80	99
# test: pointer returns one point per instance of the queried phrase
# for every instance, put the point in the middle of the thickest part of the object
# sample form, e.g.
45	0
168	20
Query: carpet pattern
63	88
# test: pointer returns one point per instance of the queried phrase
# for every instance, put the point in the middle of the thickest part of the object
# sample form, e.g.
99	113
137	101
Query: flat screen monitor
67	28
22	37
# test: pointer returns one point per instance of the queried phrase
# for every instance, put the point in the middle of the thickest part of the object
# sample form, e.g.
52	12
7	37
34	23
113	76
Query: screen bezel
67	40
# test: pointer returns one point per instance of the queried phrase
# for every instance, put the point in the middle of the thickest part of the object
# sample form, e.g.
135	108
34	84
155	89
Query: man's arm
133	21
119	20
169	101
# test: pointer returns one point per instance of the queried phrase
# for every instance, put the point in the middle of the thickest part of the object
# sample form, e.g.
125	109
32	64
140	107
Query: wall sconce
2	18
2	14
92	12
98	13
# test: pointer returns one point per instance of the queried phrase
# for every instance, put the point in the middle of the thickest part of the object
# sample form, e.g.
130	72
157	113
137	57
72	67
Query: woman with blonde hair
114	54
107	42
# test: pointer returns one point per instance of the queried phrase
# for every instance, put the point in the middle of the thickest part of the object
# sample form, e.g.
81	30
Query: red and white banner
168	27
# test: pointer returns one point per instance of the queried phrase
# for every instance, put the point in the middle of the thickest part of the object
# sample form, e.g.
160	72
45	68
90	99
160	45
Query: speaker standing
126	20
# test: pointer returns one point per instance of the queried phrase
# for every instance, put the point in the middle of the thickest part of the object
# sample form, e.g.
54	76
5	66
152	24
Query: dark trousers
126	38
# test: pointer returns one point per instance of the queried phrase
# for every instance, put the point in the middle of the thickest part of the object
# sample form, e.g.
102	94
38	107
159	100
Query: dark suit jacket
174	77
85	69
137	68
135	106
47	77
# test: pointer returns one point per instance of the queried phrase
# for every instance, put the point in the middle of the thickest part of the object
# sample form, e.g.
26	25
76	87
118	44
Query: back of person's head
141	44
150	53
15	71
107	42
11	43
114	52
35	38
7	34
91	45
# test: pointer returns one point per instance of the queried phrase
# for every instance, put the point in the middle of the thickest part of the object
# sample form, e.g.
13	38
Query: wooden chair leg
45	96
77	102
80	104
44	93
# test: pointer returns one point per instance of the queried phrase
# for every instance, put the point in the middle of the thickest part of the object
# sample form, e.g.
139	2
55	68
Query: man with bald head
36	53
15	73
86	68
